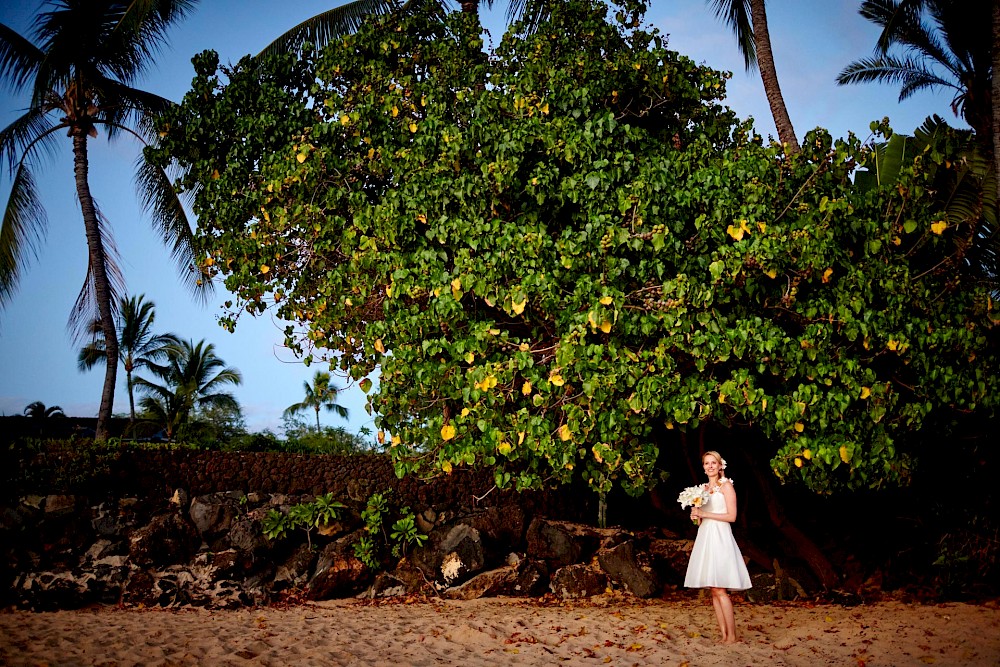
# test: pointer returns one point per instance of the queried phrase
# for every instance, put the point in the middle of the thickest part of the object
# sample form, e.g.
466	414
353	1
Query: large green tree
79	68
193	378
748	21
320	394
138	346
554	254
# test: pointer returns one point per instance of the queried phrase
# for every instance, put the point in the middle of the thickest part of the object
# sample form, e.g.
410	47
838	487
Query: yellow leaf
606	326
504	448
606	300
892	345
844	455
465	412
519	306
771	273
264	268
592	319
557	379
564	433
722	398
865	392
345	119
446	467
526	387
422	218
523	347
388	291
469	357
597	454
807	454
447	432
799	427
381	437
215	174
545	109
456	285
798	462
379	347
762	227
301	157
827	274
735	232
396	440
413	127
520	437
939	227
395	111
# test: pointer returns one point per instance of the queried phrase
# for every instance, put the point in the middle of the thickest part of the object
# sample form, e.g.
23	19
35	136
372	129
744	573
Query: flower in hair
722	463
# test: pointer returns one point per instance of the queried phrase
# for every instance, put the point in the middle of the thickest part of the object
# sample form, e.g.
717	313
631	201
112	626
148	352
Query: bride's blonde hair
718	457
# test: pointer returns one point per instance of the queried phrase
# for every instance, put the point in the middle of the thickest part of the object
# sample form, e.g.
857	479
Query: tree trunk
102	286
470	6
317	419
996	95
806	548
131	398
768	74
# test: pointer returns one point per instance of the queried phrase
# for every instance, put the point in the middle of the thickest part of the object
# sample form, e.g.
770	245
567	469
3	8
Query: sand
613	630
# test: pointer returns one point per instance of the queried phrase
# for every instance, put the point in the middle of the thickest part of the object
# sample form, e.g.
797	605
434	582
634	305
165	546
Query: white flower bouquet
693	496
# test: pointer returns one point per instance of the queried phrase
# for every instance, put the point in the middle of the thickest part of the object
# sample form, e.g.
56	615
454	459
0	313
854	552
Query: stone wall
161	472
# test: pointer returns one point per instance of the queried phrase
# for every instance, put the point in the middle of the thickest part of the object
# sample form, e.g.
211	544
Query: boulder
623	565
213	514
167	539
562	543
578	581
338	572
295	571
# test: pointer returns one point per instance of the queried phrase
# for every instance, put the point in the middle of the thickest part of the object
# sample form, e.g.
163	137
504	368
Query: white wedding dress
716	560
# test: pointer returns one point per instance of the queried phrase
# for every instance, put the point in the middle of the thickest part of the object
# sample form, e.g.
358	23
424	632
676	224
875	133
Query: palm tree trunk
317	419
769	75
470	6
102	287
131	398
996	94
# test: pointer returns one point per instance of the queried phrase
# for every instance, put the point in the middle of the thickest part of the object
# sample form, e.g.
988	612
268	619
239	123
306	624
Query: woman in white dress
716	561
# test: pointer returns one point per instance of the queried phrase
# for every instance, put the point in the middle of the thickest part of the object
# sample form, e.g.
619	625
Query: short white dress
716	560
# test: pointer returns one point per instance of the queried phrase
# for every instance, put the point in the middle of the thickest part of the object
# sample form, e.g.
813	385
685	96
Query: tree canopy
551	250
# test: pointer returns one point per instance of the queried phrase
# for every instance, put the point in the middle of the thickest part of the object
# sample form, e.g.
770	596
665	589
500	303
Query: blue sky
812	42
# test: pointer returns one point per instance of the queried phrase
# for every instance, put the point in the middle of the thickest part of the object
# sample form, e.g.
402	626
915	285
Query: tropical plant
138	346
944	44
748	21
38	410
193	377
558	271
319	394
80	73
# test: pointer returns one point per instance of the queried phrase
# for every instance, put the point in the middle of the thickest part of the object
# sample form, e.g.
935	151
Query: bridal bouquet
693	496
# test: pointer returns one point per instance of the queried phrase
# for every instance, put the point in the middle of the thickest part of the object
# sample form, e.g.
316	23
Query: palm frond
892	70
323	28
27	135
23	229
736	15
19	60
160	199
123	107
85	308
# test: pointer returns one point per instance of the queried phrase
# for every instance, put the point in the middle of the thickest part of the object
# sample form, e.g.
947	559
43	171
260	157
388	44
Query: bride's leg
728	620
720	613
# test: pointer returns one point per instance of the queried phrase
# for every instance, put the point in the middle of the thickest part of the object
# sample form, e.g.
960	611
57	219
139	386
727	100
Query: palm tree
79	68
319	394
138	346
346	19
953	49
748	21
37	410
193	377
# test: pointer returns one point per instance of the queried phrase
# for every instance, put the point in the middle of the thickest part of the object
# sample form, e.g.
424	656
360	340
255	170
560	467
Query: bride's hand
695	514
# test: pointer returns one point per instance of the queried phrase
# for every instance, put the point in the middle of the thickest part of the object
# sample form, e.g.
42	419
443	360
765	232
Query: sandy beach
615	631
